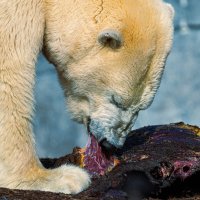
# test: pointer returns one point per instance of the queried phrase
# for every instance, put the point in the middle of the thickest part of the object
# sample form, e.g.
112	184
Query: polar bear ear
110	38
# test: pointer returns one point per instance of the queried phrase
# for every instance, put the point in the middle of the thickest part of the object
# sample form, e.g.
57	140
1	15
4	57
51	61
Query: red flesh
95	161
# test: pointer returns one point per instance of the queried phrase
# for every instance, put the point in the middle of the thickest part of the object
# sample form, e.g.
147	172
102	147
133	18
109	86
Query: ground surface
157	162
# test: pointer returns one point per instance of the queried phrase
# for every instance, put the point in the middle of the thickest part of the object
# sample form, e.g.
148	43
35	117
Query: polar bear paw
66	179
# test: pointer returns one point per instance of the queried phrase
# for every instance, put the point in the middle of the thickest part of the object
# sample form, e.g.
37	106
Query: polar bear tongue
95	160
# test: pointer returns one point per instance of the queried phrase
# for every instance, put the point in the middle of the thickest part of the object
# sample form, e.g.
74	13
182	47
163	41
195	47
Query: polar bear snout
110	137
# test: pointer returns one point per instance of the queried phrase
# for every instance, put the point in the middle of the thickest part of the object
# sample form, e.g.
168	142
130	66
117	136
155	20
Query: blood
95	160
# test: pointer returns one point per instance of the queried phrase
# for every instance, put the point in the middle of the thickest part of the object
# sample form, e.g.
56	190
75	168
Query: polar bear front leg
21	36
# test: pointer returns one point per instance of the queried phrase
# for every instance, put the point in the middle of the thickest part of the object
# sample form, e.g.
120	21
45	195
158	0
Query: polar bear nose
107	147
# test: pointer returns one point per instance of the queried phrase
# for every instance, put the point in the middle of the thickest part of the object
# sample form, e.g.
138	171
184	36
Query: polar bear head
110	56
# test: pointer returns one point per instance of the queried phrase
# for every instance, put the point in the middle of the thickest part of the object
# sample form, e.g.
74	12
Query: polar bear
109	55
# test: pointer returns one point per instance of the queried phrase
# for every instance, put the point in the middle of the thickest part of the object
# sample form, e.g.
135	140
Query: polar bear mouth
108	132
106	146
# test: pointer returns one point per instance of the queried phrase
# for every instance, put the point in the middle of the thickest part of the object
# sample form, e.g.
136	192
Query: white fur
91	75
21	37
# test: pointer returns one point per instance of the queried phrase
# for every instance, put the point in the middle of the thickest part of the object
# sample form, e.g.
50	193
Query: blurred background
178	98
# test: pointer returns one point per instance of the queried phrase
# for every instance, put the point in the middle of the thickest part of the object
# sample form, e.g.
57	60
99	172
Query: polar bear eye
110	38
117	102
